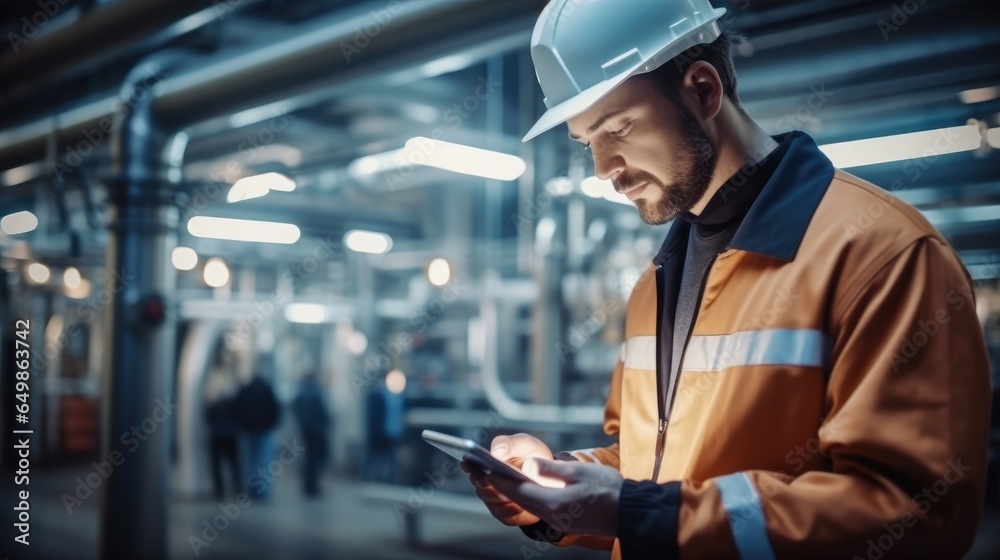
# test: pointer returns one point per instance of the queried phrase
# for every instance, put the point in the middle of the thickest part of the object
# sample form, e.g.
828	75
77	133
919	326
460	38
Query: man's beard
692	174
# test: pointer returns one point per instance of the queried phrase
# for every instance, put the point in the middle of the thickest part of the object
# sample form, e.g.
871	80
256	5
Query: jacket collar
777	221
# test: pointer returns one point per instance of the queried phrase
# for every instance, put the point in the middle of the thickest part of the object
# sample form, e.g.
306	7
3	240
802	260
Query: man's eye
621	131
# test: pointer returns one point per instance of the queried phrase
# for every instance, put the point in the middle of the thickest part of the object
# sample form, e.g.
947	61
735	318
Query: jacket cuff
648	515
542	532
564	456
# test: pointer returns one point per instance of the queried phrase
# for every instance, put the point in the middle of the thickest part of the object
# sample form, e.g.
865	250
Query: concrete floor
344	524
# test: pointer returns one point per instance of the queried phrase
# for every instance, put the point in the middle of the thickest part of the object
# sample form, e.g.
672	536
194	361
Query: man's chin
652	214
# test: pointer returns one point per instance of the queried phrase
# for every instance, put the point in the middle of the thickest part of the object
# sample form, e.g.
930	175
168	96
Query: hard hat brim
589	97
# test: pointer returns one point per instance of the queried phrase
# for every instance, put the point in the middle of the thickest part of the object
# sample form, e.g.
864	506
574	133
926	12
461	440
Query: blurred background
258	245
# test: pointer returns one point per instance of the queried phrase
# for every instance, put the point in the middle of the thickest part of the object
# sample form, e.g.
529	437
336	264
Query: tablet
468	450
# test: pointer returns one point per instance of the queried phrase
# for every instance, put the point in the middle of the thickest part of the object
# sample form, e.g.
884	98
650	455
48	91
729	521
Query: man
795	382
313	416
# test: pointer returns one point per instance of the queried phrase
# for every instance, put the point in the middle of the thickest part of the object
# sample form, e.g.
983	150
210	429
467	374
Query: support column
139	402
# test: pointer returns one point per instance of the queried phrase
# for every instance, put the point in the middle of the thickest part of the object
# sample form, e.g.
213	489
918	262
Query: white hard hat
584	49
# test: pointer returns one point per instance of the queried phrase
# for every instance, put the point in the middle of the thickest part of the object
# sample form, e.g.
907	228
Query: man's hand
514	450
588	505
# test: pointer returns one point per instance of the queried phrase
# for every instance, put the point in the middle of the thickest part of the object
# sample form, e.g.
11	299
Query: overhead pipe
106	29
506	405
318	59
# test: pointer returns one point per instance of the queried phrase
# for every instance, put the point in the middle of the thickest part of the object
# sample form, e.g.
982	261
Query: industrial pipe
330	55
105	30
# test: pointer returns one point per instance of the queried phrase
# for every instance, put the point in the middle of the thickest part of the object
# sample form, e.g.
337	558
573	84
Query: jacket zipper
666	402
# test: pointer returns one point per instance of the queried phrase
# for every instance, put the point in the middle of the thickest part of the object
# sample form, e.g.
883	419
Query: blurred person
257	411
803	375
386	427
313	417
223	446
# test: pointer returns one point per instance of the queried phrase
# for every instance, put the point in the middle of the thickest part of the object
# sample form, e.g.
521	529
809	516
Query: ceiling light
184	258
81	291
257	186
979	95
903	146
308	313
395	381
370	242
243	230
357	342
22	174
38	273
18	222
216	272
463	159
993	137
439	272
72	278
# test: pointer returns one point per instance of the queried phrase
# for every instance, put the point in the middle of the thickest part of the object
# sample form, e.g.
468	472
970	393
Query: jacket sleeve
905	439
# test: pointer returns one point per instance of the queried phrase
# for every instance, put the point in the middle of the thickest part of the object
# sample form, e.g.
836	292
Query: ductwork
381	44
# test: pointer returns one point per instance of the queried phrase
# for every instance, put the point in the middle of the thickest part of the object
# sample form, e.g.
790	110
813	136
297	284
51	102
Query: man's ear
704	86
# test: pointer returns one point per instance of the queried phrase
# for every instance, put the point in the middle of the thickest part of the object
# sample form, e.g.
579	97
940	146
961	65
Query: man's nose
607	164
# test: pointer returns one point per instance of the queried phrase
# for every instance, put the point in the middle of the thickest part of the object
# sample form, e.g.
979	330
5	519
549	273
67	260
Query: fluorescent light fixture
370	242
184	258
257	186
595	187
72	278
445	65
216	272
979	95
395	381
903	146
463	159
38	273
243	230
308	313
18	222
22	174
81	291
357	342
962	215
279	182
993	137
439	272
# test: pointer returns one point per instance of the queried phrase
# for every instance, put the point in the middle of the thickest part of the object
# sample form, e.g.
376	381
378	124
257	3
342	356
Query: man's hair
718	53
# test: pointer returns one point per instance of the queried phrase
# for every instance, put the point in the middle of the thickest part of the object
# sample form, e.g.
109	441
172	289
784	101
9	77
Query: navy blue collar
778	219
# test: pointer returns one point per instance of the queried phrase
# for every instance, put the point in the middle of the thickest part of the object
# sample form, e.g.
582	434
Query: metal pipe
105	30
509	407
139	341
330	55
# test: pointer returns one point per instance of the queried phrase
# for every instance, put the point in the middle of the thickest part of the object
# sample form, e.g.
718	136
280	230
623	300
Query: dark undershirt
711	232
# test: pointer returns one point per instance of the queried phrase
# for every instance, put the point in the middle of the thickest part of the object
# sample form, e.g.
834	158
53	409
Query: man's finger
491	496
501	447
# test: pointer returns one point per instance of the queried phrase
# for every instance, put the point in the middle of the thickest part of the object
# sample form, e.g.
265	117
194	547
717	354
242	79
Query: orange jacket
834	395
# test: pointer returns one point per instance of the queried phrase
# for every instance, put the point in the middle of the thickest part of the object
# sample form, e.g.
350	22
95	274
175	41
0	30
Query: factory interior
331	198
